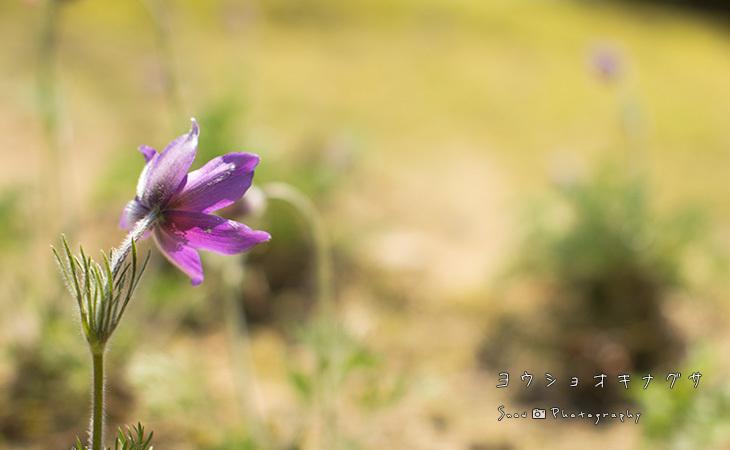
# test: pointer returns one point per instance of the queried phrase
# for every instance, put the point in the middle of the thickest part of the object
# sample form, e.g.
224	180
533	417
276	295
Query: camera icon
538	413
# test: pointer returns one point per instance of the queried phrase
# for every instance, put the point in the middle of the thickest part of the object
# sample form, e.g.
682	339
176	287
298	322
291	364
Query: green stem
160	18
326	395
240	348
98	347
97	399
48	102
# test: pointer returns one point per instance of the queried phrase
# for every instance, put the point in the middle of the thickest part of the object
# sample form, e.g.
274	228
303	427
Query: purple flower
179	203
606	61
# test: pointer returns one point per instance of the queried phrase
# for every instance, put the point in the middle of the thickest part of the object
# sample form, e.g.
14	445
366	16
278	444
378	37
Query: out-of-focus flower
179	203
606	62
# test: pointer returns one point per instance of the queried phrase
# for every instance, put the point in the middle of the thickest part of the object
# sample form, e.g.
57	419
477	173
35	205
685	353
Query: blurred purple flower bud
606	62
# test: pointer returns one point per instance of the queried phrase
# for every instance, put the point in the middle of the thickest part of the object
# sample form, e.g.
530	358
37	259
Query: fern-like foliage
135	439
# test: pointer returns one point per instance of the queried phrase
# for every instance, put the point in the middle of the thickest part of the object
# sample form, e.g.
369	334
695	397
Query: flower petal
148	152
211	233
133	212
180	254
219	183
144	176
165	172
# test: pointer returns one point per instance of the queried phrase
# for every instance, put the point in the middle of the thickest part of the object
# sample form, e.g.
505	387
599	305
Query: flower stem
97	399
161	21
98	347
326	395
119	255
48	99
240	349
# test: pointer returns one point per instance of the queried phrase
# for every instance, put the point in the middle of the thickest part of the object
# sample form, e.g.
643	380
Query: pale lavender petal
148	152
133	212
166	171
180	254
144	176
211	233
219	183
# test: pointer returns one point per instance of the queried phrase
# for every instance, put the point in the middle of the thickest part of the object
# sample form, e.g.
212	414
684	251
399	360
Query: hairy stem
97	399
98	348
119	255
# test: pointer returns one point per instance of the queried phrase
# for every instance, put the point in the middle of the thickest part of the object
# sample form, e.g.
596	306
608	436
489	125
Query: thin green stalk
240	348
326	389
49	105
633	126
160	19
97	413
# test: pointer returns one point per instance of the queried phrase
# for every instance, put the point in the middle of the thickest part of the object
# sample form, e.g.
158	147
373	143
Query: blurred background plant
688	416
416	128
608	262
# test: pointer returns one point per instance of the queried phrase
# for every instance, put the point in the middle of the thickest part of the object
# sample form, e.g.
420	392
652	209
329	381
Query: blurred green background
507	186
